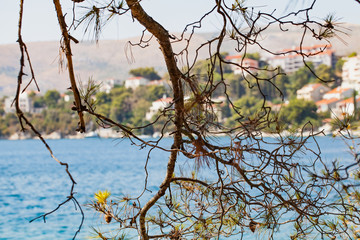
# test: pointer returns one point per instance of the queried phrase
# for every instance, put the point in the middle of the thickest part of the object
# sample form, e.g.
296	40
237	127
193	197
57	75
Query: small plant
102	196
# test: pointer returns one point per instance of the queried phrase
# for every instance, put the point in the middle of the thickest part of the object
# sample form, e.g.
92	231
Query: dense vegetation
130	106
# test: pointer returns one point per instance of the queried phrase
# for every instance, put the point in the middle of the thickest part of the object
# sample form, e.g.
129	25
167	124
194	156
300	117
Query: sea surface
32	183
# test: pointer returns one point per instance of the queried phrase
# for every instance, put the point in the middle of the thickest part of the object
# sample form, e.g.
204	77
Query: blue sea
32	183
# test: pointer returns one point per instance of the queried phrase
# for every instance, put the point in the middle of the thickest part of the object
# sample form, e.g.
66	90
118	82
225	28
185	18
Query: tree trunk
162	36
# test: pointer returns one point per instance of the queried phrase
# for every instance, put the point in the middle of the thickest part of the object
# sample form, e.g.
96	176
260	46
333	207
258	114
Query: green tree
8	125
325	73
121	107
40	102
272	86
102	98
328	76
299	79
148	72
298	112
138	119
338	66
248	105
255	56
2	103
149	93
51	98
237	86
353	54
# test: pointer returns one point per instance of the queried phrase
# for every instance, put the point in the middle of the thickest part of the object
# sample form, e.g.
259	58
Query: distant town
324	98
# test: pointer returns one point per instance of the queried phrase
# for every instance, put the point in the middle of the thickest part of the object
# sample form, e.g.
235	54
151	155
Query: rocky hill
114	58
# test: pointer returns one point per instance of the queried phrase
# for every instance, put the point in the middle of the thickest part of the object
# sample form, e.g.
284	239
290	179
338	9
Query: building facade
290	60
25	103
135	82
351	73
157	106
346	106
247	64
109	84
312	92
339	93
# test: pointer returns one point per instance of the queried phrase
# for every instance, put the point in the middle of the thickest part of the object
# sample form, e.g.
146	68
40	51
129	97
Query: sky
40	22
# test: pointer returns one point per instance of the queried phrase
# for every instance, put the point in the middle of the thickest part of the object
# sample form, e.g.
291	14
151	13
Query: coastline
110	133
99	133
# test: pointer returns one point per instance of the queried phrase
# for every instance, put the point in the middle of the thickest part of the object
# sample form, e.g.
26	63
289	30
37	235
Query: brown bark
162	36
67	39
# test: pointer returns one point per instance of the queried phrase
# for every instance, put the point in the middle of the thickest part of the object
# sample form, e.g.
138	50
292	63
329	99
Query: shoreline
109	133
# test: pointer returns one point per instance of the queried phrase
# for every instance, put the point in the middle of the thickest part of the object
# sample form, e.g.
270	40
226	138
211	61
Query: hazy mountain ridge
114	58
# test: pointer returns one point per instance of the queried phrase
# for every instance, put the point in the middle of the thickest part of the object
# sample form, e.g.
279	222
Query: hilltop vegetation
129	106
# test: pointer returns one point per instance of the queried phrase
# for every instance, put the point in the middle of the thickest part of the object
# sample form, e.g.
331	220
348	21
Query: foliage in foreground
252	183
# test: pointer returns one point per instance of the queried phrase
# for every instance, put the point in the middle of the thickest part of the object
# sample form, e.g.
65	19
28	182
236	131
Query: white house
157	106
325	105
135	82
312	92
66	97
351	73
109	84
250	65
339	93
25	103
287	63
161	82
292	60
345	107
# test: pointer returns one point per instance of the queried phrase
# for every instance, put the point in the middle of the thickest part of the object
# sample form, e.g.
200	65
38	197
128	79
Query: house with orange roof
346	107
339	93
312	92
290	60
160	82
157	106
242	65
66	97
325	105
135	82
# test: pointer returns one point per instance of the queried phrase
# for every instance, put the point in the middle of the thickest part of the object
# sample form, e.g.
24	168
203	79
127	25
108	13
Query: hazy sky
40	22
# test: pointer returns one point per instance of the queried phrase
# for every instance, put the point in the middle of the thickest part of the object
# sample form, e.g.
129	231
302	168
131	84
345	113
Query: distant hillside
114	58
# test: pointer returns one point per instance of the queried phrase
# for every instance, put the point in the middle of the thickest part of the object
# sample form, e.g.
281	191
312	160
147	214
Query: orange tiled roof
337	90
313	85
233	57
167	100
327	101
135	78
322	46
156	82
316	85
349	100
288	55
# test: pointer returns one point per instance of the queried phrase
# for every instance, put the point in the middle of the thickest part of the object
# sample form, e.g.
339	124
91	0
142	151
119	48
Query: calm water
31	182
